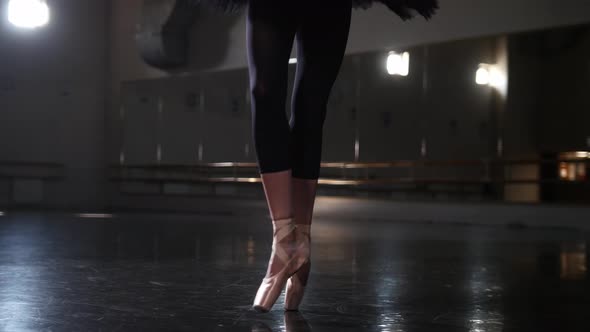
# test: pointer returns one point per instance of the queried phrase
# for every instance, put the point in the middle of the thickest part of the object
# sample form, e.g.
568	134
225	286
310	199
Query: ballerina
289	151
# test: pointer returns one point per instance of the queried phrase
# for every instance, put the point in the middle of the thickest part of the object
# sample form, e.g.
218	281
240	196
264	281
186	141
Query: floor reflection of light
573	261
15	310
484	313
250	246
385	328
1	213
19	286
223	252
387	289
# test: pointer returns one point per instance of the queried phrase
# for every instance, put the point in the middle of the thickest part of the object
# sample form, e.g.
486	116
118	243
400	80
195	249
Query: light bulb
398	64
28	13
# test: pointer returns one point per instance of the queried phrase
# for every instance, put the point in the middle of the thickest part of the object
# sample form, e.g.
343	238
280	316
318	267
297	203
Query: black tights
321	31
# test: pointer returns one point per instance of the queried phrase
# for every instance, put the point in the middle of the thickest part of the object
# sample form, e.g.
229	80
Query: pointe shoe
295	287
271	286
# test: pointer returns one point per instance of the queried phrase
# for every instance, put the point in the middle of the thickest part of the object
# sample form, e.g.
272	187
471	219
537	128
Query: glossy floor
199	273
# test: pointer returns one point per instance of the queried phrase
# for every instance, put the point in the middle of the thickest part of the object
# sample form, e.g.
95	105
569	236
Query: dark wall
218	41
52	98
550	80
390	116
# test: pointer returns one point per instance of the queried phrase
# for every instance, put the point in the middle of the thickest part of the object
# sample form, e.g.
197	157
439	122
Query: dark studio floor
175	272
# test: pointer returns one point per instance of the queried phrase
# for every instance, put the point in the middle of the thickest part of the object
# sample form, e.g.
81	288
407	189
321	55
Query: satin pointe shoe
272	285
295	287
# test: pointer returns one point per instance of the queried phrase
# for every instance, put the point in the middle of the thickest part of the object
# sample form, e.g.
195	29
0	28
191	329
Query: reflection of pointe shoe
272	285
295	287
260	327
295	322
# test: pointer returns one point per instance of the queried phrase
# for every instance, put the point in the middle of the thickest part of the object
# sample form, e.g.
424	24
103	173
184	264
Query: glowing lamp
398	64
490	75
482	76
28	14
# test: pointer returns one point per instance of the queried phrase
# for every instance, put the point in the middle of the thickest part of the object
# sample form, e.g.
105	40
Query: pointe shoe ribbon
271	286
295	288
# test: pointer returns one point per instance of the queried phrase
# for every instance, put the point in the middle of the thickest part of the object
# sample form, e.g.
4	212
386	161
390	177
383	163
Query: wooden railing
483	171
31	170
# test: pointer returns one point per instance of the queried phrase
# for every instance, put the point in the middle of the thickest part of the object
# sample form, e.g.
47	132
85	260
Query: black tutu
403	8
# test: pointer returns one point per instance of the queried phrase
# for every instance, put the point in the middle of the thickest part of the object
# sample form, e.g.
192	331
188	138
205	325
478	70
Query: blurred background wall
53	93
78	93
